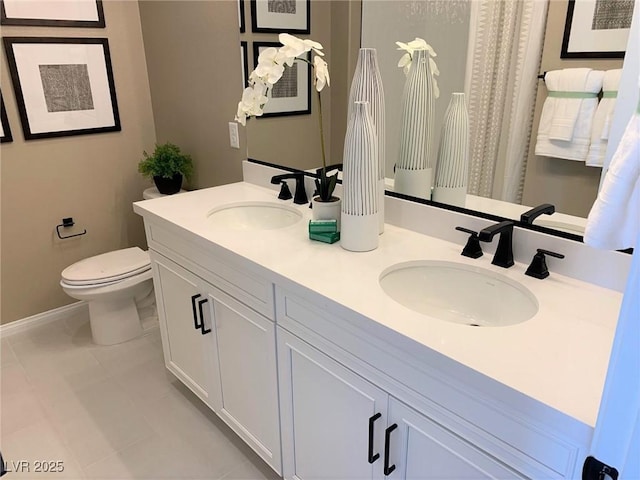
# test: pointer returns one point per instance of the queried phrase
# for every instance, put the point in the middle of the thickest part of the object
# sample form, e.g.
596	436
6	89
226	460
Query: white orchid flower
270	66
406	59
294	47
253	100
405	62
322	73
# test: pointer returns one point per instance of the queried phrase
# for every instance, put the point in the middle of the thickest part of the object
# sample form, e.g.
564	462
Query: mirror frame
445	206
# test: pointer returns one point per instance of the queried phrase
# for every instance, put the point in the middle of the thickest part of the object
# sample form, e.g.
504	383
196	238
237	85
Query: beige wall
570	185
193	58
92	178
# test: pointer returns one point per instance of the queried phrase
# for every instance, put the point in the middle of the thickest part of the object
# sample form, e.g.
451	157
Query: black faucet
504	253
530	215
300	195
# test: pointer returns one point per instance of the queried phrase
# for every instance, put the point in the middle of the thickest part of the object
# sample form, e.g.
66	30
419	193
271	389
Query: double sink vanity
409	361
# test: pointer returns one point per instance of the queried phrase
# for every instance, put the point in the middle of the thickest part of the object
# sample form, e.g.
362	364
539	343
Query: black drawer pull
372	457
202	329
193	308
387	440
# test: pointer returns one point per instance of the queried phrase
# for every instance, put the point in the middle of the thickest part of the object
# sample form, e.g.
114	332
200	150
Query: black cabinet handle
372	457
202	329
387	440
193	308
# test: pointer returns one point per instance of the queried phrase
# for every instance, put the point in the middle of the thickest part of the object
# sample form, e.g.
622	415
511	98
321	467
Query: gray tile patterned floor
108	412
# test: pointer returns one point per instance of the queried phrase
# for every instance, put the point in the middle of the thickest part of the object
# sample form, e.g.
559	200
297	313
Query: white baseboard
43	318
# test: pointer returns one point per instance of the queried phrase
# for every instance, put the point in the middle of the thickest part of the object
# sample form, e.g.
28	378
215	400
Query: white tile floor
108	412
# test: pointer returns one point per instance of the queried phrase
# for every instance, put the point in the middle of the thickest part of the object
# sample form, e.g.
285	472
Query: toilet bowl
113	284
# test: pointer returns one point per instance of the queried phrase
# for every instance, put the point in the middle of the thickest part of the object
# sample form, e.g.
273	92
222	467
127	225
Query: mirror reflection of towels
567	113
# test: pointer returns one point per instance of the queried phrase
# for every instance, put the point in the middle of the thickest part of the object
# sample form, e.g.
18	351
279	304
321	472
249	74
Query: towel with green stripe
568	113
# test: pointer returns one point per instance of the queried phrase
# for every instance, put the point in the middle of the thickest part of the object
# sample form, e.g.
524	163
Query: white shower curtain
505	45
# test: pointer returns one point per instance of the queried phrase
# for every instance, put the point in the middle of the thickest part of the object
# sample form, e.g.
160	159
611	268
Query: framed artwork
241	15
291	95
244	61
63	86
5	131
280	16
52	13
597	28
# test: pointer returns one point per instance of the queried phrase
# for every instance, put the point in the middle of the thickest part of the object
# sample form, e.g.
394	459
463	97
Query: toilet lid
108	267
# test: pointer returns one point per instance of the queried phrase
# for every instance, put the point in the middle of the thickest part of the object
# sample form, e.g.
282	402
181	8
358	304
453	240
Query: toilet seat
107	268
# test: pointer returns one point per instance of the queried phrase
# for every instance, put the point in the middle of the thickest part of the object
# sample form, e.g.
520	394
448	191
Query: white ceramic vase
359	219
366	86
453	155
326	210
414	168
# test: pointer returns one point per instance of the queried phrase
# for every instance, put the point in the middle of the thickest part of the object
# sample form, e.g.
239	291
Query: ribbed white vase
414	168
366	86
452	170
359	218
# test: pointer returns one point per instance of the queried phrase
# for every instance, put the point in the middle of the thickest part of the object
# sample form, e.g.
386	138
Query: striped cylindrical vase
366	86
453	155
359	217
414	168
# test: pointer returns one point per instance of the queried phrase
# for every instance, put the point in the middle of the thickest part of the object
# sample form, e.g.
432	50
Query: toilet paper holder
66	223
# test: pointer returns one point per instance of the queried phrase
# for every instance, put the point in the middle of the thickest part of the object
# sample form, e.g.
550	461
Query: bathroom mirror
453	28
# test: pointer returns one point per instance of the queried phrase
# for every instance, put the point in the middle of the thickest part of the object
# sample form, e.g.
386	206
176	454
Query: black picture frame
5	135
581	40
244	59
52	22
263	21
50	116
298	105
241	16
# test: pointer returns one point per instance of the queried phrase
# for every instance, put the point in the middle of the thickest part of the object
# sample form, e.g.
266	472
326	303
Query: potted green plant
167	166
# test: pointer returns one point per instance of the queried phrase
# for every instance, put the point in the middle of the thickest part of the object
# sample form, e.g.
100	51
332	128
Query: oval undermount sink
253	216
459	293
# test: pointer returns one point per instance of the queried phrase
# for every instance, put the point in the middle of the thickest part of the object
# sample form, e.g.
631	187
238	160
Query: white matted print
291	95
64	86
53	13
277	16
597	28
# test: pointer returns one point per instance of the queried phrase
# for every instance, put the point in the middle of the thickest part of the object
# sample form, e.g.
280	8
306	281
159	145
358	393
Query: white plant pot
326	210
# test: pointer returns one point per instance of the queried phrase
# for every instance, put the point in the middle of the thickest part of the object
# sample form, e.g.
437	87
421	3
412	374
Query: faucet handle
538	267
472	249
285	193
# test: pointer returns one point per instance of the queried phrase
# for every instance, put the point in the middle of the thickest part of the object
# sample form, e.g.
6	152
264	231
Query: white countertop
558	357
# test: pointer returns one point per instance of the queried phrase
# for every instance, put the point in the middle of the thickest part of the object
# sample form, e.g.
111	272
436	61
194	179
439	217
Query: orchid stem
324	163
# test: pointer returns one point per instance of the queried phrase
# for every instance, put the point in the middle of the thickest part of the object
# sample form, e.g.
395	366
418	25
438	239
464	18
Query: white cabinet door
325	414
420	448
248	374
189	348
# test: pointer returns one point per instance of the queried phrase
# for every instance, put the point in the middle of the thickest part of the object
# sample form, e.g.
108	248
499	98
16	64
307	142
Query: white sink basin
459	293
253	216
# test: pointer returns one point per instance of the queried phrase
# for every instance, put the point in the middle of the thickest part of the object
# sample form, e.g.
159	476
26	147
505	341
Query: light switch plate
234	139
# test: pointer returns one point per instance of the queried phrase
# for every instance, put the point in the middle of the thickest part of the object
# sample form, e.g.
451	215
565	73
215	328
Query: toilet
116	285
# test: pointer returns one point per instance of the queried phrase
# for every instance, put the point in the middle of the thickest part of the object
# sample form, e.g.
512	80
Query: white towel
602	119
565	123
614	219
